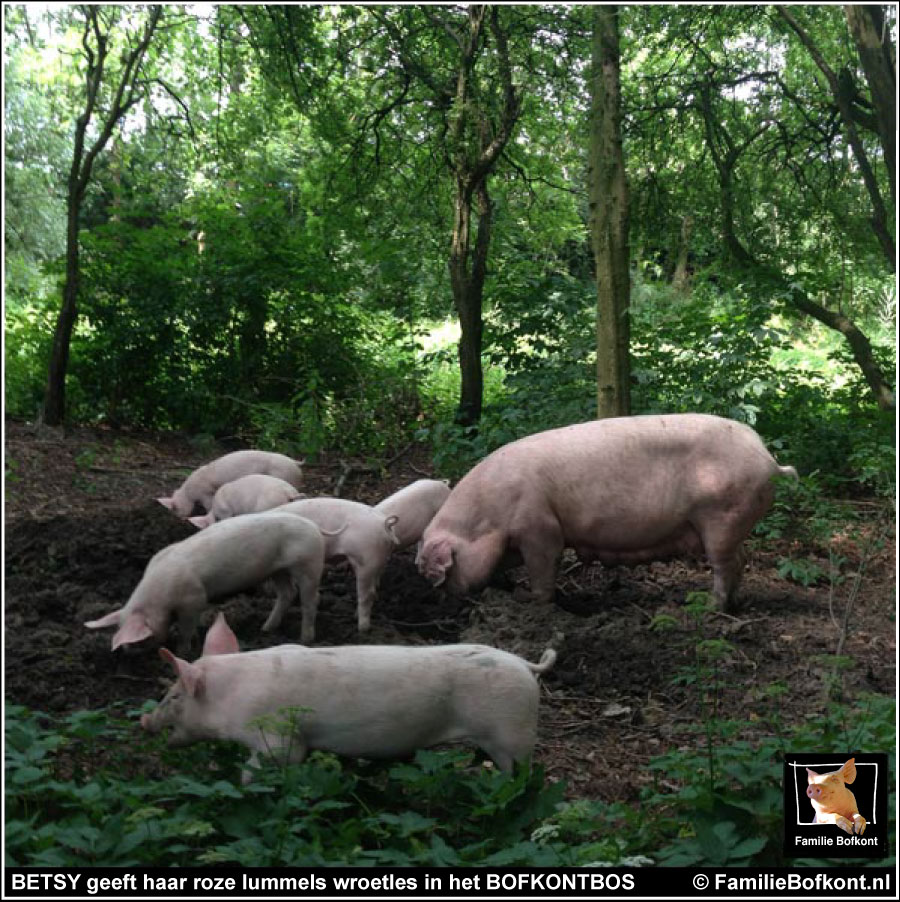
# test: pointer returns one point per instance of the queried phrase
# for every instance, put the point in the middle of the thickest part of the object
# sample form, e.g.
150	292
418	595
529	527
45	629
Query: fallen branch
347	469
440	624
396	457
124	471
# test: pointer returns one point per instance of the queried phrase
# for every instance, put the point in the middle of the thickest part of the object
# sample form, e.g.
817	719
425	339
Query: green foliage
78	793
736	819
710	352
715	351
720	803
64	808
322	216
27	330
804	572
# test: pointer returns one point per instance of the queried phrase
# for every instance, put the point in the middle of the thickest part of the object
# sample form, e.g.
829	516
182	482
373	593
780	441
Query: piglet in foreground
201	486
251	494
227	558
834	803
414	507
355	532
371	701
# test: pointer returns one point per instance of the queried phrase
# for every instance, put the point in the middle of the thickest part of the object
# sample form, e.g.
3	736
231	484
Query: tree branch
879	213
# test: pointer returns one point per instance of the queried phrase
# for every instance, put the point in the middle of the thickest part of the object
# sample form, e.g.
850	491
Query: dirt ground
81	523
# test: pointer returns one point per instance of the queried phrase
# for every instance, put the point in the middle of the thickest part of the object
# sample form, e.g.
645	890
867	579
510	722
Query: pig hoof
859	824
844	824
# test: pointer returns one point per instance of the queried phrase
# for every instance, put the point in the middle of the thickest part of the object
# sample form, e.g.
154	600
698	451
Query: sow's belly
611	549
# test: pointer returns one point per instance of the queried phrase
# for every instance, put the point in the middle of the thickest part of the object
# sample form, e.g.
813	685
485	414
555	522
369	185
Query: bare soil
81	523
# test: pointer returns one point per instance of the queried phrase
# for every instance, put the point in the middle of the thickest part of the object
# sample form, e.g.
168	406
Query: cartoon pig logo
833	802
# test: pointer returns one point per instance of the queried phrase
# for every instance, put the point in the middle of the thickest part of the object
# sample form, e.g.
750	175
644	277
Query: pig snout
435	577
814	792
147	723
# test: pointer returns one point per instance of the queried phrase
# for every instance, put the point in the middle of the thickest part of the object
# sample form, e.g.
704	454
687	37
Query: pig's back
646	454
238	553
334	513
243	463
617	443
253	493
414	507
620	482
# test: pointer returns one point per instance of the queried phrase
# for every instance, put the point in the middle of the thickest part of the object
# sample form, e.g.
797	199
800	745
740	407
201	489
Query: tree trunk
125	93
608	190
880	220
472	168
54	410
860	346
681	279
467	285
875	54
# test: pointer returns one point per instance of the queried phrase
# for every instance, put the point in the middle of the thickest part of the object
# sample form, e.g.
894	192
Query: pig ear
220	640
848	771
134	628
167	502
389	524
444	554
200	522
111	619
812	776
190	675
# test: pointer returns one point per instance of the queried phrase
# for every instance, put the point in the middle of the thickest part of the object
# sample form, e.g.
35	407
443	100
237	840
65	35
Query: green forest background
264	238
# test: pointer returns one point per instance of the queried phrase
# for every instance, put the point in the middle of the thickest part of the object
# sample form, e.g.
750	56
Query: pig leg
367	576
540	552
505	752
727	561
309	606
284	594
189	613
282	743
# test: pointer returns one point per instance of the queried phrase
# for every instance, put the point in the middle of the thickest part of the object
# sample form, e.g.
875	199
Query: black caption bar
444	883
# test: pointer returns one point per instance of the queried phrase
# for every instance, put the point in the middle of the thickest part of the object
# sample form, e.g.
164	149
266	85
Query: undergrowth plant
79	793
65	809
726	807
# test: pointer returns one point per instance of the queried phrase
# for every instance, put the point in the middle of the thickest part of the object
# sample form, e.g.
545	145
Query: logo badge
835	806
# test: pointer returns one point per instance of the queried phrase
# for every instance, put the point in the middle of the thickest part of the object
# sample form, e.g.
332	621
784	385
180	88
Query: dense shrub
442	809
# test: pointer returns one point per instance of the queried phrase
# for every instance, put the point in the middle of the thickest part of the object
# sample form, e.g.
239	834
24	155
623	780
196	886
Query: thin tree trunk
467	263
744	261
96	48
54	409
468	270
609	219
681	277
